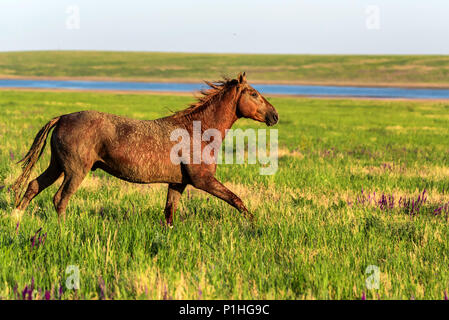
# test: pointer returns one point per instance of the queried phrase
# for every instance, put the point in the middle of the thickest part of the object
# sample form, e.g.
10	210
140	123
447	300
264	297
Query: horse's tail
30	159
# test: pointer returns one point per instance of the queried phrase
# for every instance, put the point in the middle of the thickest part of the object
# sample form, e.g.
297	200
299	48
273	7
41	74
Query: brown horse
139	151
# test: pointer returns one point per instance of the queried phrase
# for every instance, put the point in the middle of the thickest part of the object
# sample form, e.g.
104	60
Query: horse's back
90	124
134	150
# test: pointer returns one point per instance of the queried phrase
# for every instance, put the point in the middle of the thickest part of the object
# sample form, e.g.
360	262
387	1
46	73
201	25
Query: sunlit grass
311	239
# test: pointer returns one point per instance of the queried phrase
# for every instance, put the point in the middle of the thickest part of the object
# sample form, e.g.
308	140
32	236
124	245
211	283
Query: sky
251	26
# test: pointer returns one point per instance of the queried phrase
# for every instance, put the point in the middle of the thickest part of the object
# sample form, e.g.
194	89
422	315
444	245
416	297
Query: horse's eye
254	94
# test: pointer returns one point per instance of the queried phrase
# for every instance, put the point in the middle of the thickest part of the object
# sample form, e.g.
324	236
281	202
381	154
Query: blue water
303	90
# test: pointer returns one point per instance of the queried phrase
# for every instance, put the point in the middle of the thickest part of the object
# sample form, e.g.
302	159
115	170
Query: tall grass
313	237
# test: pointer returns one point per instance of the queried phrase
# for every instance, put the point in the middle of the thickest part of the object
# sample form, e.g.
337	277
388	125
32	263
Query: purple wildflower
101	285
16	294
387	202
40	238
24	292
165	293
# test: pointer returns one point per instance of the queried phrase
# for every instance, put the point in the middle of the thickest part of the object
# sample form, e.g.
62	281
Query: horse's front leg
175	191
216	188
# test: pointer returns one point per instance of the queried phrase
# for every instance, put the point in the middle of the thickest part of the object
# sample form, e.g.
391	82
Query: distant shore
400	71
283	82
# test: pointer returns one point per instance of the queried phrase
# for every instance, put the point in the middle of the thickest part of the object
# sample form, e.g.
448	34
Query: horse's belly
142	169
150	173
154	172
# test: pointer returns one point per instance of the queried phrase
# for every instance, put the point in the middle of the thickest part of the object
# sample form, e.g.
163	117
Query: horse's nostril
271	118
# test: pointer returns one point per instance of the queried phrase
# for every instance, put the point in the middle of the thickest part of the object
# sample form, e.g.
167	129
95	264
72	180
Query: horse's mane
215	91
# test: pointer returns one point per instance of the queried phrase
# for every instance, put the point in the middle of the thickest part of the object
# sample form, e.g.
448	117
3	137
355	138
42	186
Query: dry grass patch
153	284
394	170
288	153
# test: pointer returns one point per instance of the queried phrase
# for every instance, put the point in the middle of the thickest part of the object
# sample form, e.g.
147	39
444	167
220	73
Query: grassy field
315	232
427	71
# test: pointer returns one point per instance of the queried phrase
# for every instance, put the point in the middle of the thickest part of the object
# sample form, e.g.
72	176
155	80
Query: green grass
310	238
336	69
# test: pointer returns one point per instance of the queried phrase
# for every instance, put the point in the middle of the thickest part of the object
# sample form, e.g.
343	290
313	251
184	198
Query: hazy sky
262	26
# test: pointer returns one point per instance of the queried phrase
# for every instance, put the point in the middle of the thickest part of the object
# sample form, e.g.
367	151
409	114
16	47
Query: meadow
388	70
360	183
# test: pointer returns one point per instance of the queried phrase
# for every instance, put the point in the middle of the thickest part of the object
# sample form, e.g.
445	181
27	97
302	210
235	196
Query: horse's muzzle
271	118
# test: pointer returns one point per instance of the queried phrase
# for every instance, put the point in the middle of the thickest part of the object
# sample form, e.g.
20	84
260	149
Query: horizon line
226	52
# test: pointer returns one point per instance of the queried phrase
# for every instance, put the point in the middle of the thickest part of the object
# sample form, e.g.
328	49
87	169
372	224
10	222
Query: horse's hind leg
36	186
68	187
175	191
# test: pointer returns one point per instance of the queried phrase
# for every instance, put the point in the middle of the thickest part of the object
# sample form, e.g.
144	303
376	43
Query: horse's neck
220	116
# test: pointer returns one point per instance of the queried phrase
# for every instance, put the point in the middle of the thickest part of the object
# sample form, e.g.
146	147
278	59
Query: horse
138	151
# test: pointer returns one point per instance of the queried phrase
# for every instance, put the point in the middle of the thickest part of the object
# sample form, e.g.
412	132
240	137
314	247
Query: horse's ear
242	77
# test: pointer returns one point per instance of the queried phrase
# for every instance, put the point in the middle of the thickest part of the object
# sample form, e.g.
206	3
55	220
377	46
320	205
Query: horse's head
251	104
